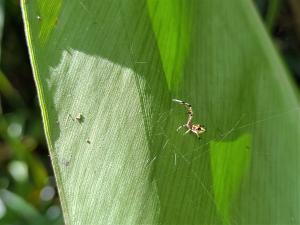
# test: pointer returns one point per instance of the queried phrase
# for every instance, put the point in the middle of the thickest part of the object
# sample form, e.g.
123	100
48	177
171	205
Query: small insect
79	117
194	128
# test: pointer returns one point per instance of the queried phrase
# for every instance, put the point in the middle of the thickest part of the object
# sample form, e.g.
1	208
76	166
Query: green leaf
171	21
229	162
106	72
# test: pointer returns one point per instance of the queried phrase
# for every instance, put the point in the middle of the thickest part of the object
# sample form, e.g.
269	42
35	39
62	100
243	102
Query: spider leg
187	131
180	127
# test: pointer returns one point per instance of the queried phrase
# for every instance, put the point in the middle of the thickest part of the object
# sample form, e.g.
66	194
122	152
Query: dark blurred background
27	188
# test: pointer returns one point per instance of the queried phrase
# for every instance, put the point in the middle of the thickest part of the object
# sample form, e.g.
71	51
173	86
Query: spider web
188	158
219	137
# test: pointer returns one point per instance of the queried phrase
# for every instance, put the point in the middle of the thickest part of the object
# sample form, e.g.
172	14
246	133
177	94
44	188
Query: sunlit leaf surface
106	72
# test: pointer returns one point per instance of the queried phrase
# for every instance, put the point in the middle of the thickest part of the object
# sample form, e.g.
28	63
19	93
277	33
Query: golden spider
194	128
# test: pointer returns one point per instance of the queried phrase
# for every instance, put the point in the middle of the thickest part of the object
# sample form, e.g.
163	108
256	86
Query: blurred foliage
27	186
282	19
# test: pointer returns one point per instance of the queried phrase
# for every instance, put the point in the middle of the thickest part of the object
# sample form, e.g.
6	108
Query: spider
194	128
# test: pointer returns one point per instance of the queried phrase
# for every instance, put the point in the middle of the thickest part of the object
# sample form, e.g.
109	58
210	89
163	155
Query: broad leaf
106	72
